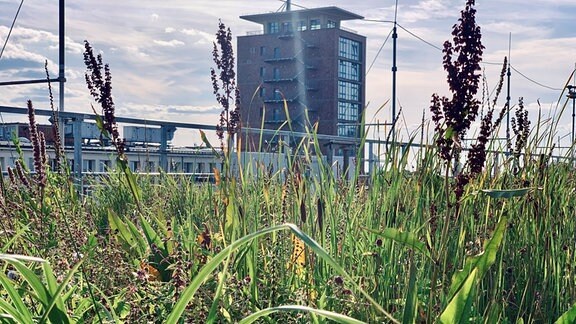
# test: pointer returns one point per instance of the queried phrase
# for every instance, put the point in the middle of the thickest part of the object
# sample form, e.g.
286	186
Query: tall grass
293	246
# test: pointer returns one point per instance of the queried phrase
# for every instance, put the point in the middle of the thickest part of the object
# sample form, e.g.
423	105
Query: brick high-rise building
303	58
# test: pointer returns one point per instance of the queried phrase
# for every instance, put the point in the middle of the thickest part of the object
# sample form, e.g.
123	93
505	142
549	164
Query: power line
420	38
11	27
535	82
380	50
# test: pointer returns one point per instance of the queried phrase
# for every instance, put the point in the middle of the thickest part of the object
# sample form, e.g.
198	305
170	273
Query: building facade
302	67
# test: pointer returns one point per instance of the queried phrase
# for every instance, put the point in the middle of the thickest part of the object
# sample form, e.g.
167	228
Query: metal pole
508	74
77	133
394	69
62	50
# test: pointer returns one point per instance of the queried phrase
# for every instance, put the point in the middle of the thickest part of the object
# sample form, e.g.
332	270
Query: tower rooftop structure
301	71
333	12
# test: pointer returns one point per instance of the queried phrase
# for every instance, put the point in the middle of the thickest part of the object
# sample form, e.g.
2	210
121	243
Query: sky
160	53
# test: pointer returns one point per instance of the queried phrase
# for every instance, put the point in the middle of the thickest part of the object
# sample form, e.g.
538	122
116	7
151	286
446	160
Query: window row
275	73
263	51
349	70
302	25
348	91
347	130
349	49
277	94
348	111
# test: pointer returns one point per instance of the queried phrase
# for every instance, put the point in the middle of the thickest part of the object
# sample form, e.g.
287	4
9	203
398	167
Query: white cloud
169	30
171	43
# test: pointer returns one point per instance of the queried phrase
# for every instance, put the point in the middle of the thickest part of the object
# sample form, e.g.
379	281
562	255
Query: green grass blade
339	318
568	317
458	309
127	236
507	193
40	290
19	312
20	257
407	239
131	179
481	262
56	297
10	313
54	291
411	307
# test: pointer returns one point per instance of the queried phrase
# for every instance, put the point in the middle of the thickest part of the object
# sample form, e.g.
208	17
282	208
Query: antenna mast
288	5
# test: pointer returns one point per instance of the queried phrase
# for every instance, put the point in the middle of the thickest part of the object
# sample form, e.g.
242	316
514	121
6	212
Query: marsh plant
419	247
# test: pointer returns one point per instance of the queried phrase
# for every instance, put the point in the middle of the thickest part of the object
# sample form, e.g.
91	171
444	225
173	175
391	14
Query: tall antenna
288	5
508	74
62	55
394	69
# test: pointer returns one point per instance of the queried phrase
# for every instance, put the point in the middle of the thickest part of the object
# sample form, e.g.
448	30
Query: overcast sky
160	51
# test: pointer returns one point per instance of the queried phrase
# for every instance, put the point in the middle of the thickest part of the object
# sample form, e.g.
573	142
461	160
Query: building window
253	50
262	50
347	130
349	70
276	114
348	91
273	28
276	74
287	27
262	71
262	92
150	166
349	49
348	111
331	24
302	26
135	166
314	24
88	165
200	167
188	167
277	94
276	52
175	166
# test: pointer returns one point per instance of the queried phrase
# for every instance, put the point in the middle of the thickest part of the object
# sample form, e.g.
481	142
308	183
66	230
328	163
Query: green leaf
411	307
130	178
407	239
339	318
20	257
458	309
100	125
41	293
568	317
57	299
508	193
129	236
19	312
11	312
449	133
53	290
483	261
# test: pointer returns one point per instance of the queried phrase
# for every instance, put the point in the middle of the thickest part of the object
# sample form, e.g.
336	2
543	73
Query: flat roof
335	12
